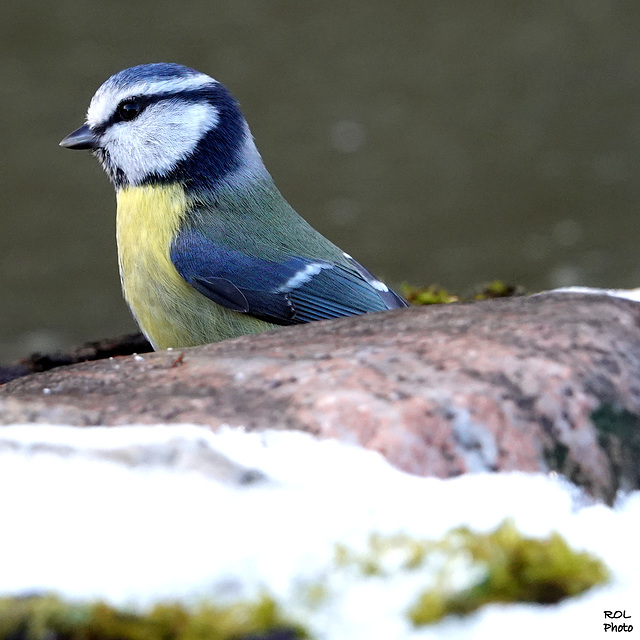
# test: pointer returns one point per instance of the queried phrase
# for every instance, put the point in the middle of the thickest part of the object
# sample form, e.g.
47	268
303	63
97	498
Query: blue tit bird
208	248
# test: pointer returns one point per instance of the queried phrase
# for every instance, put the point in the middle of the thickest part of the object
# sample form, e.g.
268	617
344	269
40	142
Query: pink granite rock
549	383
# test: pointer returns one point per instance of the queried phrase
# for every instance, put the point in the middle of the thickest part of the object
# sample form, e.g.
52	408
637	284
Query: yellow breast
169	311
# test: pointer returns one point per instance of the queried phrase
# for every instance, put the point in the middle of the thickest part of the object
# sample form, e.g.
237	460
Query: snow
628	294
135	533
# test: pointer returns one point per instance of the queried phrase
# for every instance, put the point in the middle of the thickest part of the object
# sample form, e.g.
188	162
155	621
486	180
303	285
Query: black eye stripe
193	95
129	110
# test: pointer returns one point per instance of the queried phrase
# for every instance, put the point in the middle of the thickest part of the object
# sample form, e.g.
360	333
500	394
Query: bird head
164	122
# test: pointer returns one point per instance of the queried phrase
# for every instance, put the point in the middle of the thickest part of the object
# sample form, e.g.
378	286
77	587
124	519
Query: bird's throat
147	220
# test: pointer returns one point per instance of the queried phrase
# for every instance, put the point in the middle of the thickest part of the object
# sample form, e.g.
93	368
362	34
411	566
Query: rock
549	382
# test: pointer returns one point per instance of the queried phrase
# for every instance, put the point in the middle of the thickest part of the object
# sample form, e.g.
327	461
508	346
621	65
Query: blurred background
448	142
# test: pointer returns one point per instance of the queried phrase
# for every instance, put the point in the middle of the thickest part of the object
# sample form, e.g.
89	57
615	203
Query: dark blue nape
217	153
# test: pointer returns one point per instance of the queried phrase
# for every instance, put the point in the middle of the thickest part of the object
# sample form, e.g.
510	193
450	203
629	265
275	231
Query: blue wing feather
289	291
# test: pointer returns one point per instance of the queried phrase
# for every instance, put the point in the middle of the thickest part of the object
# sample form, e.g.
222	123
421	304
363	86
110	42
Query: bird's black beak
82	138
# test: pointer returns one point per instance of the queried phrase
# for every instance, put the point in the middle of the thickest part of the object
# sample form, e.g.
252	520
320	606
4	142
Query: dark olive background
440	141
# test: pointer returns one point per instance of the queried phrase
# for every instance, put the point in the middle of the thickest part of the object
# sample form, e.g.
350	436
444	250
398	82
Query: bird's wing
289	291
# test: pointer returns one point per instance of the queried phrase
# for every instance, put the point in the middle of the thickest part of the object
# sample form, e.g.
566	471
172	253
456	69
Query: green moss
433	294
48	617
427	295
315	594
498	289
516	569
385	555
466	570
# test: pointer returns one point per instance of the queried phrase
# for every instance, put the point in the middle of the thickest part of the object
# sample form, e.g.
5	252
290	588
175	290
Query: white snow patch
628	294
90	528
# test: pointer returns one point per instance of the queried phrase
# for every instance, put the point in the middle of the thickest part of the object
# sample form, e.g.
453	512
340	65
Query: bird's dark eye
129	110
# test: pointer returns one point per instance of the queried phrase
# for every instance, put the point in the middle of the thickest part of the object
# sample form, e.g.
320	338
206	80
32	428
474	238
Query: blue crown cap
153	71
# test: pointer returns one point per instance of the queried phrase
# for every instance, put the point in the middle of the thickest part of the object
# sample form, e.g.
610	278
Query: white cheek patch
108	96
161	136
